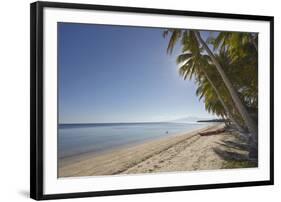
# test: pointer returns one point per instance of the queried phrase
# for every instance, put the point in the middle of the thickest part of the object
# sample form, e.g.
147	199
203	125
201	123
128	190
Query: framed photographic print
134	100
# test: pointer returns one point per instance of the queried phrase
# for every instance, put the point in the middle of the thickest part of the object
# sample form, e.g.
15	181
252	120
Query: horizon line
136	122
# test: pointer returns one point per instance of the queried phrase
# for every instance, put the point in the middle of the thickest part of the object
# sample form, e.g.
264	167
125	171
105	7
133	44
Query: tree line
225	69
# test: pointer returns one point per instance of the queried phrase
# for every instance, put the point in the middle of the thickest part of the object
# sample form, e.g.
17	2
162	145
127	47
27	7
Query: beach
181	152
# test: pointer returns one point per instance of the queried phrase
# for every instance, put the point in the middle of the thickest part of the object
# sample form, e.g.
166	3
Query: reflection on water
74	139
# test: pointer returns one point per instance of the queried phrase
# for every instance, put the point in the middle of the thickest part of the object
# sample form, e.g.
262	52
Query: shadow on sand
235	153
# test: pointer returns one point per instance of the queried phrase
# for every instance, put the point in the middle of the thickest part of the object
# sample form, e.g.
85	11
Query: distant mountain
212	120
191	119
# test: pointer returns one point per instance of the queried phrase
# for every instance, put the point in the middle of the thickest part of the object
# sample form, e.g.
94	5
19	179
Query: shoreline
70	157
121	160
89	154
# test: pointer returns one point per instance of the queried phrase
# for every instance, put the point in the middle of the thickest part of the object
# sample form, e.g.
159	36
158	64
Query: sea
77	139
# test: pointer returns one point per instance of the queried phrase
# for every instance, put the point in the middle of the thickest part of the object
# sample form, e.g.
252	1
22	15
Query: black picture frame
36	98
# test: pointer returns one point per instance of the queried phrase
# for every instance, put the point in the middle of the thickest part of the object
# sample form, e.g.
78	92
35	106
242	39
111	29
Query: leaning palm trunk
254	43
252	126
228	113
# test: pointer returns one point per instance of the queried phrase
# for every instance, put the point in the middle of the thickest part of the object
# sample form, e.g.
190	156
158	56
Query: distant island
213	120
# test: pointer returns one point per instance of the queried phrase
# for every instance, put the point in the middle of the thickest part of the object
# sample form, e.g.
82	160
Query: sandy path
195	153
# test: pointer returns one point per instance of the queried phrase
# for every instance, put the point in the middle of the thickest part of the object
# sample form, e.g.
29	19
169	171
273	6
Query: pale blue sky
120	74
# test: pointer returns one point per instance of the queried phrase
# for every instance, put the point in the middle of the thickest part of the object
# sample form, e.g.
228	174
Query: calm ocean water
75	139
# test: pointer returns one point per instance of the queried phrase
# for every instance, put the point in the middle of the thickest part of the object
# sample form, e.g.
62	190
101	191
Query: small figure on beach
167	132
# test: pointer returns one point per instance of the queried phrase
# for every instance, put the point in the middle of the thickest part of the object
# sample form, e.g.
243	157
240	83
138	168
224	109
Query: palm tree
238	42
192	64
239	71
192	40
238	103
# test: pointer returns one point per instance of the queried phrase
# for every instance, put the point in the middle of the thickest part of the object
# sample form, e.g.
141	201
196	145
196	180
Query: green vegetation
225	69
239	164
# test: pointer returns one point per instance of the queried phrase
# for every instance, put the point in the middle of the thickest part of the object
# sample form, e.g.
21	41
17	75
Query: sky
121	74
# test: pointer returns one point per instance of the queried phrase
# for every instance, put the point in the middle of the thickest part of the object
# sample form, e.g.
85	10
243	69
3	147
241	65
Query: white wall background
14	100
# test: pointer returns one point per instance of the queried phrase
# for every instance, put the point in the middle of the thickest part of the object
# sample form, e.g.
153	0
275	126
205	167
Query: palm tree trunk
252	126
254	42
256	46
229	114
